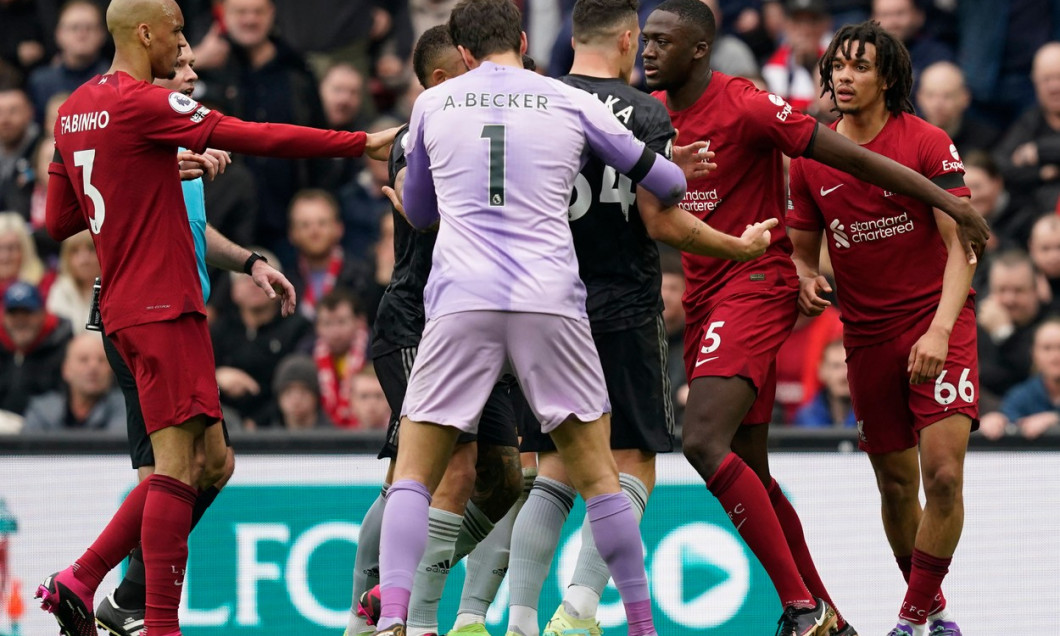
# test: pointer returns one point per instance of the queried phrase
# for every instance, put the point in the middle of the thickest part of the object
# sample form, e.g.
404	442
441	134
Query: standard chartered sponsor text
876	229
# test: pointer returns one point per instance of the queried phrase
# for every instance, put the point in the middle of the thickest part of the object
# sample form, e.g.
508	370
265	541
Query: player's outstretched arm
680	229
62	216
297	142
833	149
807	256
223	253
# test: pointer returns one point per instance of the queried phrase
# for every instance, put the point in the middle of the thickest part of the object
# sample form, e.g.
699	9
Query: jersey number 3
85	159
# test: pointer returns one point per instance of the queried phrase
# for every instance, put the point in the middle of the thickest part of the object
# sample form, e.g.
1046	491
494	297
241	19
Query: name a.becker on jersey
498	100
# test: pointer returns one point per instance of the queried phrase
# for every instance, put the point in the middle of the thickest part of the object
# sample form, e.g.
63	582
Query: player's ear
144	32
438	76
465	55
625	41
522	42
702	50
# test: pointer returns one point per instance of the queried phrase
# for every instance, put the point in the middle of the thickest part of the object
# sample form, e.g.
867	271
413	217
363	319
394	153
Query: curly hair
892	62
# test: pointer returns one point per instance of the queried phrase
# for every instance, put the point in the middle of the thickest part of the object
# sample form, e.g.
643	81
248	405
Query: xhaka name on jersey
530	101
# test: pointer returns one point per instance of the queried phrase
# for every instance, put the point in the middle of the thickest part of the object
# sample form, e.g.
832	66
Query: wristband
253	258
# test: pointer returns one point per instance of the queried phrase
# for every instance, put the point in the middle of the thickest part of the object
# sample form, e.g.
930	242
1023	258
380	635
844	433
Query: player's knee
897	491
943	484
704	455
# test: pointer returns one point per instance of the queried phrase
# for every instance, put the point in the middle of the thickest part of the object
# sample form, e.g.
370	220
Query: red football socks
792	526
166	524
905	564
116	541
925	580
745	500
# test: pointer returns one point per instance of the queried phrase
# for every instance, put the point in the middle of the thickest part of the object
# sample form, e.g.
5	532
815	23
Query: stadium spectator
38	200
363	203
942	98
18	255
830	406
21	35
370	407
1007	318
905	20
342	93
71	295
1044	249
263	79
316	231
1030	408
360	32
730	54
249	344
18	139
1029	152
1009	216
298	395
790	71
32	343
339	353
89	401
996	47
80	37
798	360
382	267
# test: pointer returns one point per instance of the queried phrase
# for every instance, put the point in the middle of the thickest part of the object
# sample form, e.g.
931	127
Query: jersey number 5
85	159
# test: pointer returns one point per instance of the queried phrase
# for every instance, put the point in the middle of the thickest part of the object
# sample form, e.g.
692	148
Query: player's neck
137	67
863	126
507	58
593	62
689	93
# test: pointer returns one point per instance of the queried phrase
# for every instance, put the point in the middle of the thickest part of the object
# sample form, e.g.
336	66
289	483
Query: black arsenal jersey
617	260
400	319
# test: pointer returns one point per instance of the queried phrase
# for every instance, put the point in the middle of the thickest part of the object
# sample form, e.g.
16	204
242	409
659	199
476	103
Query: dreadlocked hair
892	62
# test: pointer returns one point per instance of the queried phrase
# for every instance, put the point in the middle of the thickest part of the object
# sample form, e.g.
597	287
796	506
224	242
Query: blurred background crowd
988	73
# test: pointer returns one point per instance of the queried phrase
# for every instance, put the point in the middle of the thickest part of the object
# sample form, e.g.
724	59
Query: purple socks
618	541
402	542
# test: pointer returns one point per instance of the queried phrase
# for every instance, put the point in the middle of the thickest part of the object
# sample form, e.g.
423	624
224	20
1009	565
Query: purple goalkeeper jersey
494	154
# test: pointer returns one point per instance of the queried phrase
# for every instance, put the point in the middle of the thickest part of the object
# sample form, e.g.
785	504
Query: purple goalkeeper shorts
462	355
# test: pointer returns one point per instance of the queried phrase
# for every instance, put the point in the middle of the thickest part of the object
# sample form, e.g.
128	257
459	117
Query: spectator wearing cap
298	395
32	346
791	71
90	401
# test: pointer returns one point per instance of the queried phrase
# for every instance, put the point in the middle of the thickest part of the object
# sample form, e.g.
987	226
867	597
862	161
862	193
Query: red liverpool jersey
749	130
886	249
118	138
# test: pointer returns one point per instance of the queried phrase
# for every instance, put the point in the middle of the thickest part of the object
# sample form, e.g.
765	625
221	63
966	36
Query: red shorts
173	364
740	336
890	411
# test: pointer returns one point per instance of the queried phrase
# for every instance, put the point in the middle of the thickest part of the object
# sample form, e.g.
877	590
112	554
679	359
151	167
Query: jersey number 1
85	159
495	134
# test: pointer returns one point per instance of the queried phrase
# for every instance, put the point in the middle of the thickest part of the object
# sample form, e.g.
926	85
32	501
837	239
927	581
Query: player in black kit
492	456
614	237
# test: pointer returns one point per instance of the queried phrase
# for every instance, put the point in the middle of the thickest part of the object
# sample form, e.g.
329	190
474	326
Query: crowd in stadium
987	73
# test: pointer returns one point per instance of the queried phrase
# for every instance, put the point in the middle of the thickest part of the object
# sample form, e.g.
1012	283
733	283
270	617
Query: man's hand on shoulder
377	144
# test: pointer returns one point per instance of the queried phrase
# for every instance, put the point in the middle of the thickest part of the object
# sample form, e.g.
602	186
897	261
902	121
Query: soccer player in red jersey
740	313
910	334
116	169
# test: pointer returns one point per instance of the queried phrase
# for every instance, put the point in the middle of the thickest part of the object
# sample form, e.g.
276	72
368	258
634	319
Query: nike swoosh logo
705	360
820	620
825	193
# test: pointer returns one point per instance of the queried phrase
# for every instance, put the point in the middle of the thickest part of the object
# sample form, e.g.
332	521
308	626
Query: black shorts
140	450
496	426
642	415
